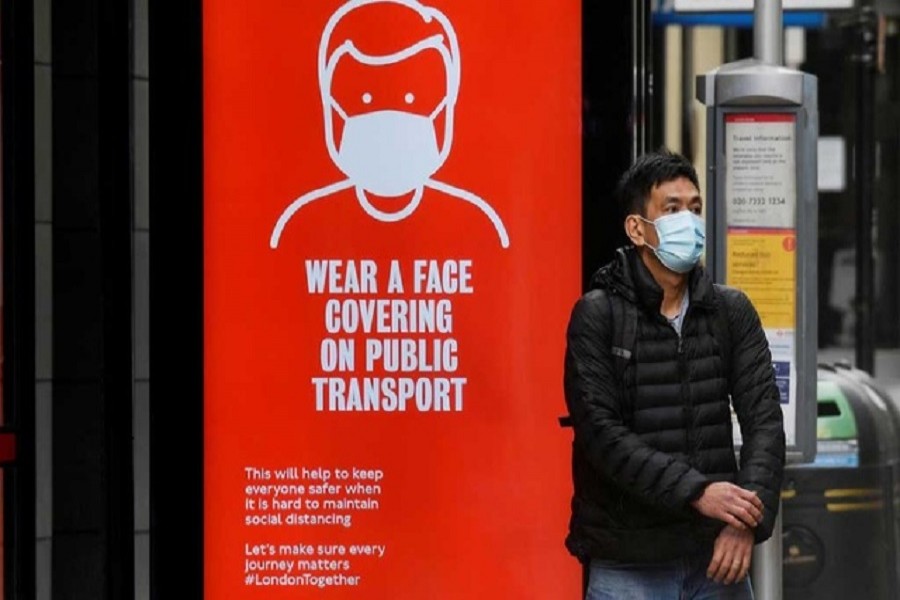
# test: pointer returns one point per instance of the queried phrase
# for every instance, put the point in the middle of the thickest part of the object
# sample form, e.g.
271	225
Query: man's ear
634	229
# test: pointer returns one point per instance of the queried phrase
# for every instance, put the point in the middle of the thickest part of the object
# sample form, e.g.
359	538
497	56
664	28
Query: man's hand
731	556
735	506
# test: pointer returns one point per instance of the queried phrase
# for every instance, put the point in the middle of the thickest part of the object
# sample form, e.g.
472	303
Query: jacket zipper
685	392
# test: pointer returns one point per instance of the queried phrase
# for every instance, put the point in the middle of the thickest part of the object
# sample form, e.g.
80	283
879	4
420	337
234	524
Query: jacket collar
627	275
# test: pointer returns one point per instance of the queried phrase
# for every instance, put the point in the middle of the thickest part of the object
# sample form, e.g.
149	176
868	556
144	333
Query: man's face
667	198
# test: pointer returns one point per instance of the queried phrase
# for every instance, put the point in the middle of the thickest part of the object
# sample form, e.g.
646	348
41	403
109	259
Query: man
661	510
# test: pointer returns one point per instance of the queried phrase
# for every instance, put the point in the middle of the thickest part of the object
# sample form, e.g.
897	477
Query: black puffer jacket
637	469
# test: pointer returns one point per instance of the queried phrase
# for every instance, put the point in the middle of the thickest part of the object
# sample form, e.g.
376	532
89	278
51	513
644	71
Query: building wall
76	392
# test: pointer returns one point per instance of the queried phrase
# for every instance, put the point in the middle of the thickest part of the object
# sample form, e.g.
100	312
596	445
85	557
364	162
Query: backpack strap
623	320
623	317
624	323
722	330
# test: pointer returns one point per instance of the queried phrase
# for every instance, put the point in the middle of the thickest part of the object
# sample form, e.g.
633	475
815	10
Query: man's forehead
680	188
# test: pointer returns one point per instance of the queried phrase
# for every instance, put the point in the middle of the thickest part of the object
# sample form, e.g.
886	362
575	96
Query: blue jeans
682	579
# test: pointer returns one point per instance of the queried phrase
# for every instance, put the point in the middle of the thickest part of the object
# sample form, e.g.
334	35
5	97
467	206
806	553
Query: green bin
840	531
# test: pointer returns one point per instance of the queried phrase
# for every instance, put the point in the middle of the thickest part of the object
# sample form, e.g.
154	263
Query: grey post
768	42
761	85
768	37
767	566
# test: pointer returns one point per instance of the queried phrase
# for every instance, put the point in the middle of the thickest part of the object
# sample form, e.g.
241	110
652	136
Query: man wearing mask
661	509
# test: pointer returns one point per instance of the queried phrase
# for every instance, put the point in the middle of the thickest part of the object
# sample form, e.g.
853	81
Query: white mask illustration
390	152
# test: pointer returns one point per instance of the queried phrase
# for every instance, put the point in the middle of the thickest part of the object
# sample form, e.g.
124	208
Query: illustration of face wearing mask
389	153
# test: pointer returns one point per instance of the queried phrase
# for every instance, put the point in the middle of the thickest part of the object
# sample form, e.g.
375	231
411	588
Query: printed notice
763	264
390	345
304	499
760	180
783	348
761	247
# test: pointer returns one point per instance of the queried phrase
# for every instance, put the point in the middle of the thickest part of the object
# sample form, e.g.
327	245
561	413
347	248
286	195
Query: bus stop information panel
762	123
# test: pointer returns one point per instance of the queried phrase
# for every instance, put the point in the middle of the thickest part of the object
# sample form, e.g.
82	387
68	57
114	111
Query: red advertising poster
392	248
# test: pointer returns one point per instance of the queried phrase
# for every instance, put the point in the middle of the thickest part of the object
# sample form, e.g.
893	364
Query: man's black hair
647	172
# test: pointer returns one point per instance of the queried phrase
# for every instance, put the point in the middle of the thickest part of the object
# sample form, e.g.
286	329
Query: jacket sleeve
593	397
757	403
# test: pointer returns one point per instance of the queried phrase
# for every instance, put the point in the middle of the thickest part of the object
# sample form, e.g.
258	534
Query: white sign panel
781	344
760	183
745	5
761	246
832	164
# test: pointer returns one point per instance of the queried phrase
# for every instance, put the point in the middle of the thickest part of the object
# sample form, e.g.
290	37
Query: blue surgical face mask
682	237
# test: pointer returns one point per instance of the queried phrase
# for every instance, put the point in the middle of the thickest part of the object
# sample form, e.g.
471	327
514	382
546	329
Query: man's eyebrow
676	198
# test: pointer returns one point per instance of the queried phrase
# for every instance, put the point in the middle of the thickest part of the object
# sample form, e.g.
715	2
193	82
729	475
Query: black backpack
625	324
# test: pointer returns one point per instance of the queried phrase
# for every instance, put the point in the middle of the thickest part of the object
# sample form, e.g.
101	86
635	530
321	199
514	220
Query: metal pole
768	47
768	37
636	145
865	191
648	76
766	566
637	80
687	92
